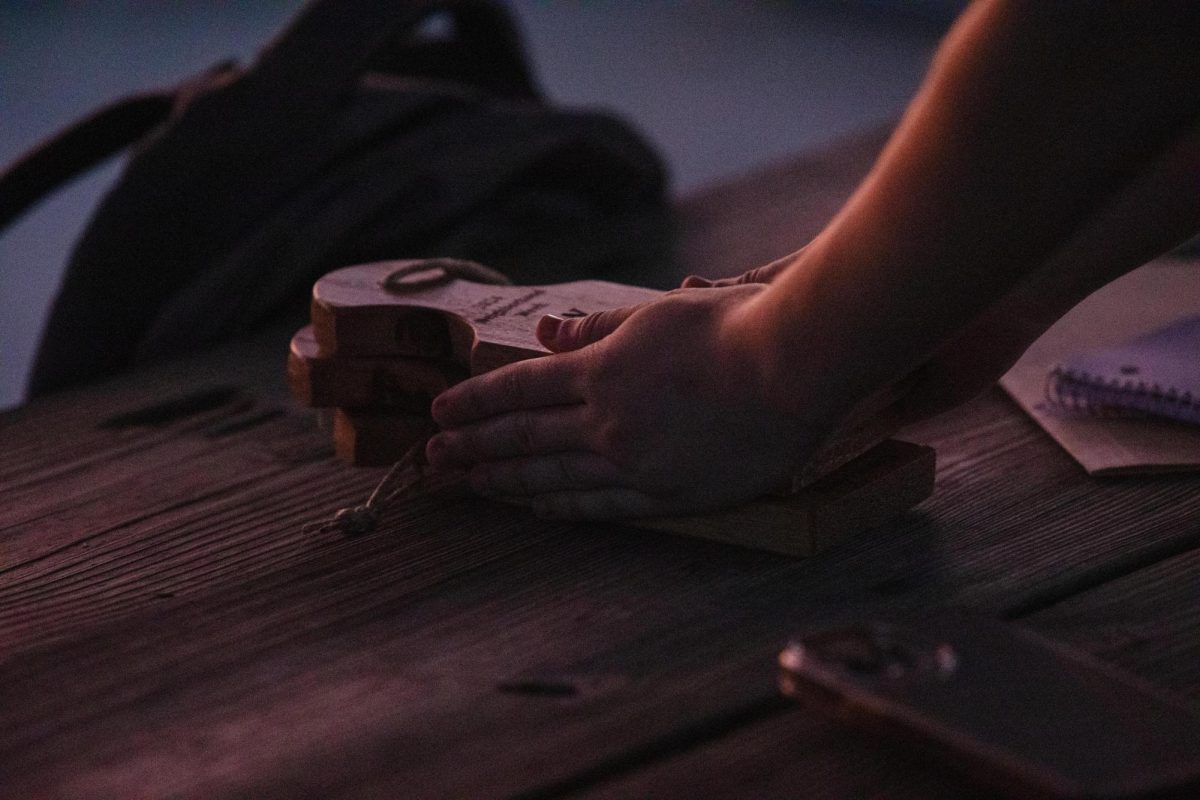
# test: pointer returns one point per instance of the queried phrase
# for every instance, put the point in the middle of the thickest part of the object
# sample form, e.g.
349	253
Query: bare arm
1036	117
1053	146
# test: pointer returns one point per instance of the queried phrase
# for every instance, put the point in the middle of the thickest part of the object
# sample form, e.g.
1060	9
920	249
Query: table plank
788	755
408	659
207	647
1147	621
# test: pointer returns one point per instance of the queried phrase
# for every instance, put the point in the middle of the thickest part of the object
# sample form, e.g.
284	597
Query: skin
1052	147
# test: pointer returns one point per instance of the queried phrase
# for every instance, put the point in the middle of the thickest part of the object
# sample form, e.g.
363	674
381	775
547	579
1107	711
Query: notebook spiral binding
1094	395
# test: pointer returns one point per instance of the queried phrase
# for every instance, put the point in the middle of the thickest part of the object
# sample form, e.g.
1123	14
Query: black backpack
370	129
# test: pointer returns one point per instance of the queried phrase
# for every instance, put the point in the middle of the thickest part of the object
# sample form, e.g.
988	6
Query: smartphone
1002	705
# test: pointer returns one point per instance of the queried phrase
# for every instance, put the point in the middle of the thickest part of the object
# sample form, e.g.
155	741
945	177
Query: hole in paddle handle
414	276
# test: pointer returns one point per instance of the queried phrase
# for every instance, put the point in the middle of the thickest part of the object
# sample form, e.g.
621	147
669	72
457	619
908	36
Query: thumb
560	334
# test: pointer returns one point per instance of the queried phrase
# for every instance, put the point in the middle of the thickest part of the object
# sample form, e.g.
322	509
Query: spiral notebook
1110	381
1153	375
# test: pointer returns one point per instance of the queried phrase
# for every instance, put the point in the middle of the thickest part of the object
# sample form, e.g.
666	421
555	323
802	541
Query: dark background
719	86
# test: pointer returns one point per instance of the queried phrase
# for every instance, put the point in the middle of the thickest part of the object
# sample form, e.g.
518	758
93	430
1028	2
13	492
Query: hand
961	369
956	373
650	410
763	274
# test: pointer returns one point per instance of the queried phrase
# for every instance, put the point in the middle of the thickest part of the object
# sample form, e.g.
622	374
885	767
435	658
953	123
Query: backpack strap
78	148
482	48
317	59
320	56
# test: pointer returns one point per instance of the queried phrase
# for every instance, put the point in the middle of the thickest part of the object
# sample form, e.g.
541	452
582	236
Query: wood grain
224	636
1147	622
206	647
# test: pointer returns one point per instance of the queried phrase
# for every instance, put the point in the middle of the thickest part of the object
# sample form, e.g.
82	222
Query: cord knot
357	520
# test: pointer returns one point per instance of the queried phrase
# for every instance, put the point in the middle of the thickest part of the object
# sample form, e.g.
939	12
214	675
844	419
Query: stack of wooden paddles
379	404
387	338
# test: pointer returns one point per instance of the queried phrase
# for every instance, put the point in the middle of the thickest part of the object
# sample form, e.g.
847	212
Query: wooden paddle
388	382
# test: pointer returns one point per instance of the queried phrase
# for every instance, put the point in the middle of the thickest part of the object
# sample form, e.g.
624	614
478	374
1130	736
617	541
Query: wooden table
167	630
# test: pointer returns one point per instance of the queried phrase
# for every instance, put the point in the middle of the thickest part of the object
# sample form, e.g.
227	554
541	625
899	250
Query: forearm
1155	212
1032	120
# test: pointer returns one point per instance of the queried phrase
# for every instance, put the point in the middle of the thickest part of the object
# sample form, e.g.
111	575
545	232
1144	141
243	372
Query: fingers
764	274
528	432
560	334
534	383
558	472
756	275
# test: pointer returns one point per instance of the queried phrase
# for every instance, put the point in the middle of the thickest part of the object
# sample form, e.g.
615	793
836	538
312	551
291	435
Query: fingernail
696	282
438	406
548	327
